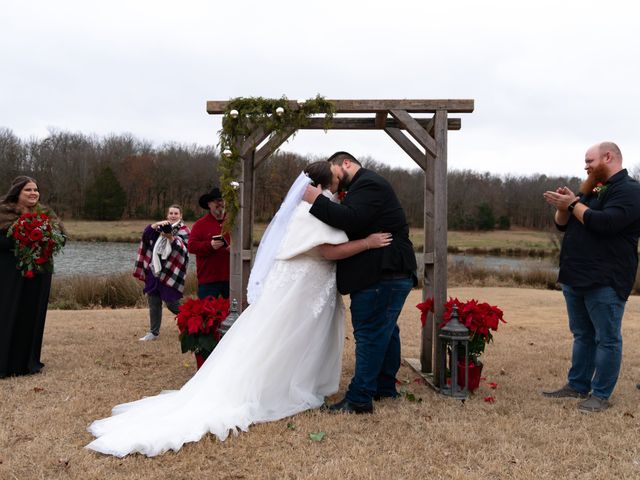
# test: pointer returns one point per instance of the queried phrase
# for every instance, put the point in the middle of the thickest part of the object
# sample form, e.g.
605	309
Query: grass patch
501	242
515	242
94	361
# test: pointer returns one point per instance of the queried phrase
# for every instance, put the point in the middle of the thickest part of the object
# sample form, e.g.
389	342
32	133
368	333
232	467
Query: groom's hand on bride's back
311	193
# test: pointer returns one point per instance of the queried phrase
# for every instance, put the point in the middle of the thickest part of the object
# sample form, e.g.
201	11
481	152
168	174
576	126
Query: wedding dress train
281	357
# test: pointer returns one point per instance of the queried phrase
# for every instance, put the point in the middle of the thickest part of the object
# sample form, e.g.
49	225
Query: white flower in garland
279	111
227	153
234	185
233	113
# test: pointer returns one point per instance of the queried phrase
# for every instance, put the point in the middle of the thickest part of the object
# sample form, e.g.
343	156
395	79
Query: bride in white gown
281	357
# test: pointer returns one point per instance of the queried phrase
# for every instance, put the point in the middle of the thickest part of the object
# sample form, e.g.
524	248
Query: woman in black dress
23	298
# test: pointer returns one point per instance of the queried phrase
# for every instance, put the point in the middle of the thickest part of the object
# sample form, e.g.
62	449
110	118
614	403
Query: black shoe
345	406
377	398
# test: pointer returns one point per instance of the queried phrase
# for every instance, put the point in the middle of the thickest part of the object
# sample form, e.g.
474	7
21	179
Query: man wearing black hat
211	247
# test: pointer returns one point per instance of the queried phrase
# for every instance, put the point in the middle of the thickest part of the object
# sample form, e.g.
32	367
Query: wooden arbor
429	151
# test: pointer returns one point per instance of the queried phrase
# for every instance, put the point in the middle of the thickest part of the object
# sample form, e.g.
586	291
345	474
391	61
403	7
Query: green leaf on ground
291	426
317	437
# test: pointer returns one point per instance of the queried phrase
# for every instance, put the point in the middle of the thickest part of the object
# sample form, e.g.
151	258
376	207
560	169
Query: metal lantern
454	340
231	318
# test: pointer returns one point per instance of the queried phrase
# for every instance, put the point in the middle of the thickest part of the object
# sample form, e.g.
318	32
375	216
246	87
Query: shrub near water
108	291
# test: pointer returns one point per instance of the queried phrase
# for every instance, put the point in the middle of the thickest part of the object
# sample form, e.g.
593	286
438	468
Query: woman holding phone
162	266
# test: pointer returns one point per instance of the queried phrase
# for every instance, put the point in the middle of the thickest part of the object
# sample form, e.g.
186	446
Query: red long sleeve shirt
211	265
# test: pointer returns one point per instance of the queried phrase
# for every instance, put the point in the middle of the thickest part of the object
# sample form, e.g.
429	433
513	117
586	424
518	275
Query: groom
378	280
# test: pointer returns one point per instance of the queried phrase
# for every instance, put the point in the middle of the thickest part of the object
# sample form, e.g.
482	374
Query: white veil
272	238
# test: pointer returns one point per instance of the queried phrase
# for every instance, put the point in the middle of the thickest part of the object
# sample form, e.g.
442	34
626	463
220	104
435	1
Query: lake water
103	258
515	263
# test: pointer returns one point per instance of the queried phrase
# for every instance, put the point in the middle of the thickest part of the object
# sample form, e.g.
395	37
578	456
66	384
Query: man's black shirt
604	251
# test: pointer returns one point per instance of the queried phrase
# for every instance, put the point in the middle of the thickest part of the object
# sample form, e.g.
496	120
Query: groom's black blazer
370	206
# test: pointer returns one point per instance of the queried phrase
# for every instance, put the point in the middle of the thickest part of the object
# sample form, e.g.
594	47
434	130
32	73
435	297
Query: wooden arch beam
415	130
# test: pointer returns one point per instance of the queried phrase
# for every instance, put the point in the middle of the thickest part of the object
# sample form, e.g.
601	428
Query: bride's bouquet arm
353	247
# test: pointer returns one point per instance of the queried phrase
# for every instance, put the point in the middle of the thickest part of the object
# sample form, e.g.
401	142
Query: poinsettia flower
28	274
493	385
194	324
479	318
490	399
199	323
425	307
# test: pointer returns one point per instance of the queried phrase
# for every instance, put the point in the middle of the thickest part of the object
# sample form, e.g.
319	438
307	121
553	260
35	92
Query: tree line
120	176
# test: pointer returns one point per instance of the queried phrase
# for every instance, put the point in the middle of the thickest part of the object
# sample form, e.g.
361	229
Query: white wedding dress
281	357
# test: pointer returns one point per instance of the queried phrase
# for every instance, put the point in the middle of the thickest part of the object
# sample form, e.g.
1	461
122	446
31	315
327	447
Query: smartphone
220	238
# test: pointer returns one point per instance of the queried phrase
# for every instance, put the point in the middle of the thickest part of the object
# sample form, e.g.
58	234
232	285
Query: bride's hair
320	173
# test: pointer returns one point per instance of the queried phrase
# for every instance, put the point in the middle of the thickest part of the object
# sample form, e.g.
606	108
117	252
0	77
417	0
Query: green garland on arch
253	113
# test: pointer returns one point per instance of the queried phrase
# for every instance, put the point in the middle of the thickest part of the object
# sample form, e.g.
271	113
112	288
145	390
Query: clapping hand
561	198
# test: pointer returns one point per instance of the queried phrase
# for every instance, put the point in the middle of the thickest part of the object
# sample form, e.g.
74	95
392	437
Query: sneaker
593	404
149	336
564	392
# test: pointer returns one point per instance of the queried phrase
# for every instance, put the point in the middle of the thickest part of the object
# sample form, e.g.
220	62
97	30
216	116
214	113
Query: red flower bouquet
199	324
479	318
37	239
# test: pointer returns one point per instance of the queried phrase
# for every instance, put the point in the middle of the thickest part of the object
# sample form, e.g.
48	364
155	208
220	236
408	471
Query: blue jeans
214	289
374	316
595	319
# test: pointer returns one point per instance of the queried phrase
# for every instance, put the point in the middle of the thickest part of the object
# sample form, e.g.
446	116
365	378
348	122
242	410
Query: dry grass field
94	361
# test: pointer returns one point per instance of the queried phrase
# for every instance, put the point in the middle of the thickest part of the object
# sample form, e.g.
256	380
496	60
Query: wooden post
242	234
247	221
426	352
439	233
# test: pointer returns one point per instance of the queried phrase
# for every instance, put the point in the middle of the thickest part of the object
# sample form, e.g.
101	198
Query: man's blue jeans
374	315
214	289
595	319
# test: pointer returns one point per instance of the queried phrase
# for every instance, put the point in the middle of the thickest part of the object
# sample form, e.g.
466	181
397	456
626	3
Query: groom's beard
344	182
597	175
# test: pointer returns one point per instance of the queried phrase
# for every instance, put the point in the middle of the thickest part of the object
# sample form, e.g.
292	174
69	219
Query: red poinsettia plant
479	318
37	239
199	324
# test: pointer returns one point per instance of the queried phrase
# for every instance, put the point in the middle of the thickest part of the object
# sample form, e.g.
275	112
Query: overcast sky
548	79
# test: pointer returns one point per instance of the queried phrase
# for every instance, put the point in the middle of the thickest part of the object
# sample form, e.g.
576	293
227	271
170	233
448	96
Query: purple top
152	284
